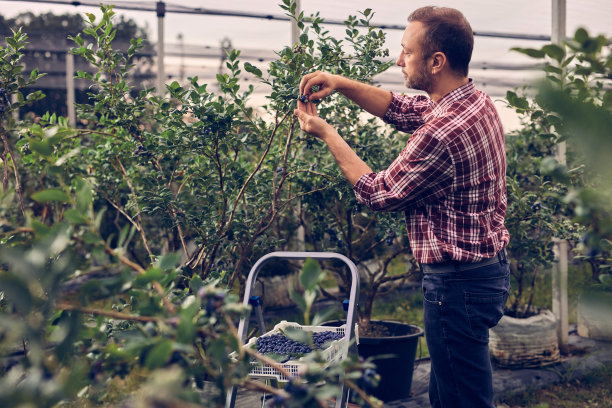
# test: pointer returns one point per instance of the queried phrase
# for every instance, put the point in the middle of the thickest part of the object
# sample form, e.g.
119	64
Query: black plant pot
396	362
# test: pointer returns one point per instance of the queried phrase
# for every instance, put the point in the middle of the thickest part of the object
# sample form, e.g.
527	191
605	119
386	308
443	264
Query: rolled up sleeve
422	172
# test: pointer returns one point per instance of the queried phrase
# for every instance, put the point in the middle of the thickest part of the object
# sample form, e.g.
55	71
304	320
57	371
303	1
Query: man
450	182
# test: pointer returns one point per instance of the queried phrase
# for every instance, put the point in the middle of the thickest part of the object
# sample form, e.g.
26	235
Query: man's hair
448	31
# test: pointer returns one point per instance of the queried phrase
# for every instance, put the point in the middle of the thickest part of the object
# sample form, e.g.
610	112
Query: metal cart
341	398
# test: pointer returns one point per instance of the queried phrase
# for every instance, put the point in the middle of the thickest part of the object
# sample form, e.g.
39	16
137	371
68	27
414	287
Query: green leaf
39	228
159	355
554	51
16	291
217	349
84	195
196	283
533	53
310	275
298	299
297	334
168	261
185	331
52	194
517	101
123	235
152	274
248	67
581	35
74	217
553	69
41	147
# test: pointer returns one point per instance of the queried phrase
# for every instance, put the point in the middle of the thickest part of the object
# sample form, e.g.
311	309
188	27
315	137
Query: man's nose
399	61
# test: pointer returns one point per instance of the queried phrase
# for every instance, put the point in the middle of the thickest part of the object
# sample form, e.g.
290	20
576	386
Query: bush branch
7	152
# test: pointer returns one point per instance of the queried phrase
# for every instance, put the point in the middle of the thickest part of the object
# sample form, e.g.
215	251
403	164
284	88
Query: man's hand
350	164
310	122
371	98
327	83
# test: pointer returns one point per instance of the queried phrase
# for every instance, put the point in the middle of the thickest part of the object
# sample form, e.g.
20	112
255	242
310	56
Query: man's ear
438	62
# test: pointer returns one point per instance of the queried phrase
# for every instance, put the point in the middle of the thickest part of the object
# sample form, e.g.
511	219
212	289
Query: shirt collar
460	93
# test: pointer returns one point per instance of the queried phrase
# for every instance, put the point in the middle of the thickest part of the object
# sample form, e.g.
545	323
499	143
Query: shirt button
440	303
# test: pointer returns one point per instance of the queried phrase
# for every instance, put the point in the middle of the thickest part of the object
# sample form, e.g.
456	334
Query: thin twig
88	131
268	361
283	205
116	206
18	188
180	232
107	313
5	170
138	218
252	175
181	186
19	230
291	173
362	394
142	271
253	385
125	260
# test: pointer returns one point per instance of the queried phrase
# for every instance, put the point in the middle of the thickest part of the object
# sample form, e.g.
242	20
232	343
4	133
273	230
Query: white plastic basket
295	367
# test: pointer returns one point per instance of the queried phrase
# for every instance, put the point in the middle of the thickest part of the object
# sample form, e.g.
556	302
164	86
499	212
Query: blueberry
140	150
303	98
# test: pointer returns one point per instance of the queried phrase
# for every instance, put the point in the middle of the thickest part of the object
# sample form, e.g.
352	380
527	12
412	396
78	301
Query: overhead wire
181	9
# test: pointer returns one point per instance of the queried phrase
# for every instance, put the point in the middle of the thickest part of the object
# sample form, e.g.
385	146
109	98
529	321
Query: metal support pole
295	31
161	74
182	51
14	99
300	233
70	93
559	277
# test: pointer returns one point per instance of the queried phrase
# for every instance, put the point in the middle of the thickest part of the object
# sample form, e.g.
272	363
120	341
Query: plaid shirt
450	179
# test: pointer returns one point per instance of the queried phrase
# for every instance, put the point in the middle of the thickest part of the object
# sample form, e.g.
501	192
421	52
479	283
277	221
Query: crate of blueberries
288	352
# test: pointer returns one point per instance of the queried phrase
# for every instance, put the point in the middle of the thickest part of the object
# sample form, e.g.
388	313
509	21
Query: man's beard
421	81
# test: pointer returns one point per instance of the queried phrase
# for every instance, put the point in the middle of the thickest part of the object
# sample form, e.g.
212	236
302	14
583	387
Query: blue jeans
459	308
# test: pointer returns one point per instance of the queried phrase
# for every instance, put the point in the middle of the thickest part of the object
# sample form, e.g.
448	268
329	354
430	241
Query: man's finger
305	79
309	83
311	109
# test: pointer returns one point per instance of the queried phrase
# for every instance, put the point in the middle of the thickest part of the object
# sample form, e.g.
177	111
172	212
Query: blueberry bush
550	199
582	100
331	216
134	231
